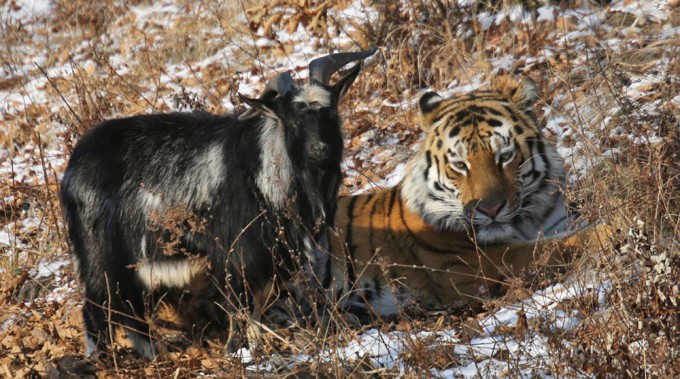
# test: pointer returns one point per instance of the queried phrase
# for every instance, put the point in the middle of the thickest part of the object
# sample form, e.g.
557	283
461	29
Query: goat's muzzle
318	151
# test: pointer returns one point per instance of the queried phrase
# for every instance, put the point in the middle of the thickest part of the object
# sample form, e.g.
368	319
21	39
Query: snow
546	13
47	269
514	13
8	323
8	239
644	10
486	19
476	356
668	31
29	9
357	11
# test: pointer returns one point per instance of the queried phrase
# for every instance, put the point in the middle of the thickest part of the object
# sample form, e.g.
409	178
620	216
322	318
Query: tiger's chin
494	233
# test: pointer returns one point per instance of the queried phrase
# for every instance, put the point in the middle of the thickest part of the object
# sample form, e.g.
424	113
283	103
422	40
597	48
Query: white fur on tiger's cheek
434	200
414	187
537	163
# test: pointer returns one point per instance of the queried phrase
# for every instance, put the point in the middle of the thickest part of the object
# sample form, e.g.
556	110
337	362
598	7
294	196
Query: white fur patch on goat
142	345
275	174
170	273
314	95
142	247
90	345
195	186
149	201
200	183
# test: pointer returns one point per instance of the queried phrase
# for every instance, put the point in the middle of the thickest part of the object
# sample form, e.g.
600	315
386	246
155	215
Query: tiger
483	186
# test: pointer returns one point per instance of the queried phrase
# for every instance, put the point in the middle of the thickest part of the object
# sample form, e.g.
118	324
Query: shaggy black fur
155	196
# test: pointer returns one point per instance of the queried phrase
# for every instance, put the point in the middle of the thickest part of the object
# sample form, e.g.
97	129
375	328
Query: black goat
154	202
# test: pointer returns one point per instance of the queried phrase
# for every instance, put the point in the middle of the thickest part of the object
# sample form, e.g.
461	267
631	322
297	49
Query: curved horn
281	84
321	69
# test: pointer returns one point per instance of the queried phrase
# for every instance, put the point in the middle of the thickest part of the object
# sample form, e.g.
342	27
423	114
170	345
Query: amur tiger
484	184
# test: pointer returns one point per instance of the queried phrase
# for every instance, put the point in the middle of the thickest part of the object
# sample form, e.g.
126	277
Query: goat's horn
281	83
321	69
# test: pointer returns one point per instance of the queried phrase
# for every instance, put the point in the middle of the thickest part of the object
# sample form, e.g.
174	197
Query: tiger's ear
429	103
522	93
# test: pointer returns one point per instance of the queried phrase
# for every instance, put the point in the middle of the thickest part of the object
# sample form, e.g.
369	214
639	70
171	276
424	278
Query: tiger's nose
491	209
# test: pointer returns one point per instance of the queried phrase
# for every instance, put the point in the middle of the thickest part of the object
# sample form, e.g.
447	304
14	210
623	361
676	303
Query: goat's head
309	112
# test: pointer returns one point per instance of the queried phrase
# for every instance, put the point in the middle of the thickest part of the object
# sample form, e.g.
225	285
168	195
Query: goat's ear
265	105
340	88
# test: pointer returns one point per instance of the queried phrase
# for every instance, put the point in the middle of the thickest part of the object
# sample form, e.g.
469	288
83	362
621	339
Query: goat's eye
459	166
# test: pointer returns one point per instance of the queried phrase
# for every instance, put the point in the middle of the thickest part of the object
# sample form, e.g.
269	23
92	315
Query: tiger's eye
506	157
459	166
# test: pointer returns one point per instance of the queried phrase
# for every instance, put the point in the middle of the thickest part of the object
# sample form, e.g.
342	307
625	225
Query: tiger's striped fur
467	213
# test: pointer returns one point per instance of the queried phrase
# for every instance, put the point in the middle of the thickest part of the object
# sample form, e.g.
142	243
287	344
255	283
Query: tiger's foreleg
554	254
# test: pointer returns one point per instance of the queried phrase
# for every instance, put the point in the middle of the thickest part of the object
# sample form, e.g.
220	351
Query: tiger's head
484	166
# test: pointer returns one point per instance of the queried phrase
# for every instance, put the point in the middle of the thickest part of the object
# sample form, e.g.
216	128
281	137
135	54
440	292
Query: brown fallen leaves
291	14
34	333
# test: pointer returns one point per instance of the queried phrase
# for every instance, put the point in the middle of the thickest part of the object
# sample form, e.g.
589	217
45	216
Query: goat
153	202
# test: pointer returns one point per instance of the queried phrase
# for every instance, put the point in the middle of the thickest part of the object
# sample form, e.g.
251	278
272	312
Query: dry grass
633	180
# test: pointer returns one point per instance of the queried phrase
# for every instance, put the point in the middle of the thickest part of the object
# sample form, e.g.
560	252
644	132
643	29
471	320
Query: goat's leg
134	322
96	316
110	305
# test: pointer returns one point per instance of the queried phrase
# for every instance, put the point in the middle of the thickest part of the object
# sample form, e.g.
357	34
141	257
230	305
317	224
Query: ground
608	73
